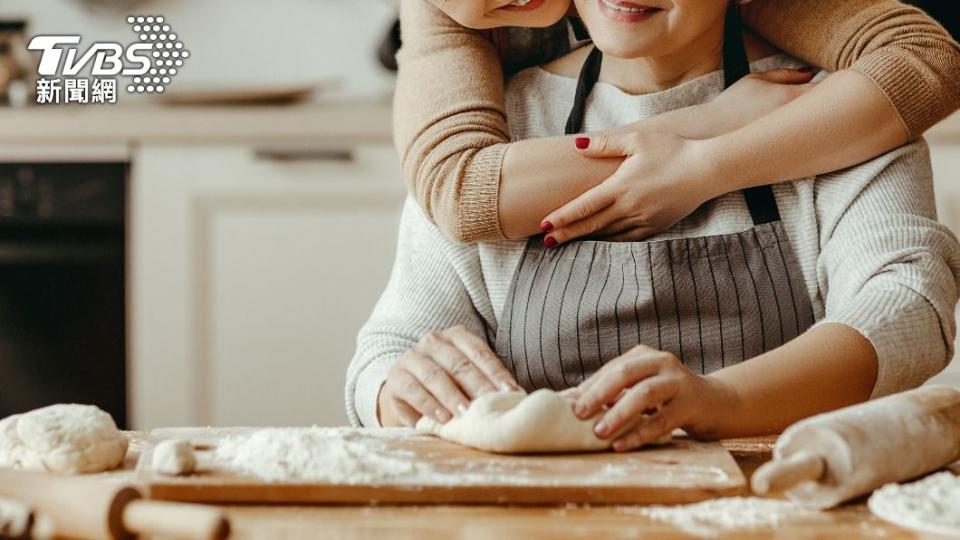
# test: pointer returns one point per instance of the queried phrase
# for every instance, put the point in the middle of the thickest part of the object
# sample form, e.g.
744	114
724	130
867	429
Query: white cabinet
251	271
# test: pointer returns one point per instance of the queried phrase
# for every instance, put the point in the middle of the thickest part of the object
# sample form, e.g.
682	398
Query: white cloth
872	253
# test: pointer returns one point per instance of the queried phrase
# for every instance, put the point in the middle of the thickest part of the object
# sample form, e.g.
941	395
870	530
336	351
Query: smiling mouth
523	5
626	7
627	11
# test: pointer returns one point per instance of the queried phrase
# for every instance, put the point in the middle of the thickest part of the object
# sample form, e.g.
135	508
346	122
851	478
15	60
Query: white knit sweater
872	254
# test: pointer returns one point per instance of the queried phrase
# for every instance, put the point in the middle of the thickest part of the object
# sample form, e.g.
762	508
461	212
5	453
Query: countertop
334	120
851	522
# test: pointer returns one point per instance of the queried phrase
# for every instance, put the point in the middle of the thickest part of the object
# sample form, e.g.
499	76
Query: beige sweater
451	130
866	239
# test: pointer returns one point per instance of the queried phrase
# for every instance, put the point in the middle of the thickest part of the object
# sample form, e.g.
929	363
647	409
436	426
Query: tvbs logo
150	63
108	58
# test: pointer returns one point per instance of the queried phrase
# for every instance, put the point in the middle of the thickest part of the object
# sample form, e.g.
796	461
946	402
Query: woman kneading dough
762	307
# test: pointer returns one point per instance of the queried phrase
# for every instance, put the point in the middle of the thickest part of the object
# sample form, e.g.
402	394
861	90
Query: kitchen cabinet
252	268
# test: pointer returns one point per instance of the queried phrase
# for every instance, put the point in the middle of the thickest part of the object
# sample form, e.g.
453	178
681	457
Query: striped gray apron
713	301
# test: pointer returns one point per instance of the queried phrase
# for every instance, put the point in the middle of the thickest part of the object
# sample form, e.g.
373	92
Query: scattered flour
315	454
717	516
930	505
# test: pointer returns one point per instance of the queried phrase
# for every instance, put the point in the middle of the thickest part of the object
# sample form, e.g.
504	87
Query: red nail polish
549	241
806	69
582	143
546	226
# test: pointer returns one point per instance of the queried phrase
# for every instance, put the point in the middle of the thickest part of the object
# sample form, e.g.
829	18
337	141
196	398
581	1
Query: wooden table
850	522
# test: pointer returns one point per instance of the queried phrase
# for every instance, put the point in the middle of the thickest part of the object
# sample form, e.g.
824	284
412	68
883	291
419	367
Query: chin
548	15
626	49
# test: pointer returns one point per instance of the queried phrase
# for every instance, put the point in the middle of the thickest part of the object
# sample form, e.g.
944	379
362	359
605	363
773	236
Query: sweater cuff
367	391
918	105
907	338
479	197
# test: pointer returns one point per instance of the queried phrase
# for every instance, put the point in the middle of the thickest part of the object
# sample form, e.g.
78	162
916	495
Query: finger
649	394
612	379
582	228
650	429
616	226
586	205
408	390
591	381
439	383
408	415
606	145
464	373
786	76
479	352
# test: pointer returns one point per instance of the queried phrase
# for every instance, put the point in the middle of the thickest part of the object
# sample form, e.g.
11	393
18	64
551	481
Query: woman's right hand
439	376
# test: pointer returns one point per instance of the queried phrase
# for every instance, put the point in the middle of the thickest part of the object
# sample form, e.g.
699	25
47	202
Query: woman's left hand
660	182
650	393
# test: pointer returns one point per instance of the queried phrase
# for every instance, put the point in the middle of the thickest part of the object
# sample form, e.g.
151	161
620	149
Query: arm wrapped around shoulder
906	53
449	124
889	269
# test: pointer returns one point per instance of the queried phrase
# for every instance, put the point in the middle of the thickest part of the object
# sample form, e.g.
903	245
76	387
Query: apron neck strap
589	74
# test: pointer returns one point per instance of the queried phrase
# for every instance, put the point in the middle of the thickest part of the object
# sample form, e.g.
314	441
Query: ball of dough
517	423
174	457
64	439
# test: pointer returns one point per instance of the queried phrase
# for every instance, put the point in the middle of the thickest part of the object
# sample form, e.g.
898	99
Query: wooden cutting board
680	472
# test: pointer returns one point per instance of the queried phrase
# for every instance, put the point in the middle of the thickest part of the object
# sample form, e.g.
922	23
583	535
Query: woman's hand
651	393
667	172
439	376
662	180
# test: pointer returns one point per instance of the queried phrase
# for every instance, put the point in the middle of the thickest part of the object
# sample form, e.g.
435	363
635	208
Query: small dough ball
14	519
63	439
174	457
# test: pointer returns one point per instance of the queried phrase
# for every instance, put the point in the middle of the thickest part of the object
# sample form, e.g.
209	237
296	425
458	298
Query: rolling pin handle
783	474
175	520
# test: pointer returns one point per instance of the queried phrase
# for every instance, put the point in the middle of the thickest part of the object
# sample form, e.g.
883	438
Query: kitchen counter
851	522
350	121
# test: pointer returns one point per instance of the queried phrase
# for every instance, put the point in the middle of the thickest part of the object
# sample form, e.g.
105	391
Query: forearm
910	58
843	121
828	367
540	175
448	123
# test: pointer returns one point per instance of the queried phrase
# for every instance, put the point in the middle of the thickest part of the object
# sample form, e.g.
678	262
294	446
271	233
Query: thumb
786	76
602	146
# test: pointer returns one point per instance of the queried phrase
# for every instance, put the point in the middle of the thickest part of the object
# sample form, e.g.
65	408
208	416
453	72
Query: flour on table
930	505
173	457
334	455
517	423
64	438
718	516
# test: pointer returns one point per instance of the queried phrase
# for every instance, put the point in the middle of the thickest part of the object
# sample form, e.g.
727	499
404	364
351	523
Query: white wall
244	40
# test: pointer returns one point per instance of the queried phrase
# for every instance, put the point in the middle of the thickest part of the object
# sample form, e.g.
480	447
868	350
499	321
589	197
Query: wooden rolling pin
84	507
833	457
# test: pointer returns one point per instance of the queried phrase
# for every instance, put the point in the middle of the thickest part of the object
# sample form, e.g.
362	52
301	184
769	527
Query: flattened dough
517	423
64	438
